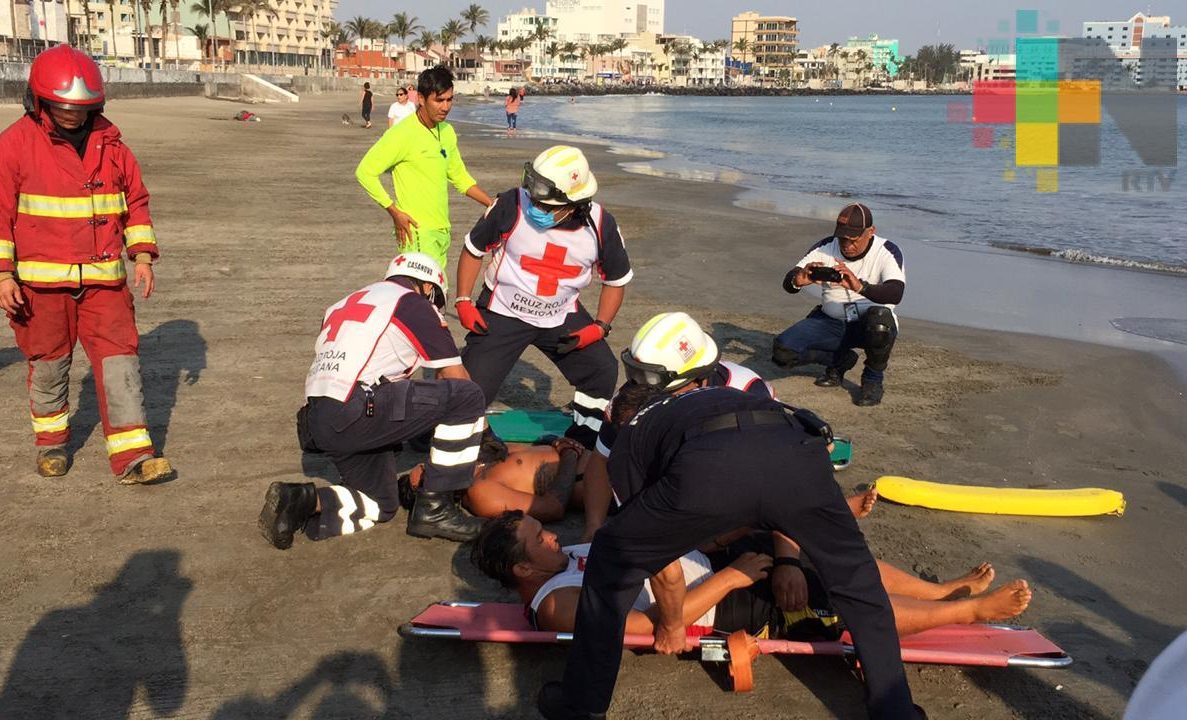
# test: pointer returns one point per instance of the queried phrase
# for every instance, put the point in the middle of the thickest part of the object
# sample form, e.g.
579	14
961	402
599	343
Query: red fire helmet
66	78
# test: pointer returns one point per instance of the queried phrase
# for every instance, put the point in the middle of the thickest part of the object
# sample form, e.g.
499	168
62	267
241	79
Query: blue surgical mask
542	219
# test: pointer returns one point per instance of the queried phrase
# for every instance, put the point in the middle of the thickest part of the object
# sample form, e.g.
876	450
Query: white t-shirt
400	110
696	570
882	261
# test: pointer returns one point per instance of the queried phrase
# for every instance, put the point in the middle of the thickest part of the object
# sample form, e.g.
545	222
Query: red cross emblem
401	260
351	311
575	176
683	347
550	269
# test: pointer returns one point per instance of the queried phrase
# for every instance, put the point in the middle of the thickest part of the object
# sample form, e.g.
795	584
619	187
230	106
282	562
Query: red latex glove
584	337
470	318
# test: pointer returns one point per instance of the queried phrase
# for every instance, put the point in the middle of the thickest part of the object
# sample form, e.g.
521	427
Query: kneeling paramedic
670	352
686	468
547	237
71	204
363	403
863	279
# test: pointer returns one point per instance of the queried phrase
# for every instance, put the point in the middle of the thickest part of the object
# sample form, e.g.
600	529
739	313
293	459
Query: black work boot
871	394
287	506
551	704
437	514
833	376
52	462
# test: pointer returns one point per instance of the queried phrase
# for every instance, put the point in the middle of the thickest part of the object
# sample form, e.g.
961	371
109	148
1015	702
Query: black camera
827	274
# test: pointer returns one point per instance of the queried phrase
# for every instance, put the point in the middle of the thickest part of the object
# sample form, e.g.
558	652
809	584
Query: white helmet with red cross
421	267
559	176
670	351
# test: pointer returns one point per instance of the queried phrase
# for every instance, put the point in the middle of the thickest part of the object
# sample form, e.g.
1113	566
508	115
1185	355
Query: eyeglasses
540	188
654	375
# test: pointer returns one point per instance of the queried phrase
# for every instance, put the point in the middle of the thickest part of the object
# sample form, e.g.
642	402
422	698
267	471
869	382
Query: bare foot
1005	602
862	504
975	582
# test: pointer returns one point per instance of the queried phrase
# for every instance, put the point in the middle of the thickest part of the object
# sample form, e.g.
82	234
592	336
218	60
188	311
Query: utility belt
305	434
811	423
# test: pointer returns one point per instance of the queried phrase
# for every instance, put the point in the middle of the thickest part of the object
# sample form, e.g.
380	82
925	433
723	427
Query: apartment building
594	21
1150	48
770	42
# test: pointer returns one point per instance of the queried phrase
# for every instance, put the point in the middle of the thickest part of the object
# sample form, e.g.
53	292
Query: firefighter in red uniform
71	203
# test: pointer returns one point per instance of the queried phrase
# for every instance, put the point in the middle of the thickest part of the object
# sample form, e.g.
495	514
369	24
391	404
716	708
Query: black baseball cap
853	220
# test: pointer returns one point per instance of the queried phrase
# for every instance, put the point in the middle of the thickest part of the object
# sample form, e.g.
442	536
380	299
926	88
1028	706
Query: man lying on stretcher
543	480
728	587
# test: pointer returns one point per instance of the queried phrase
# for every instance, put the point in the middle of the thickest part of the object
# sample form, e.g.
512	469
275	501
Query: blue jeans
820	338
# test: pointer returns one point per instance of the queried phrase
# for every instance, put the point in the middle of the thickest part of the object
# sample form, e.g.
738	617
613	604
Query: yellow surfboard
1001	501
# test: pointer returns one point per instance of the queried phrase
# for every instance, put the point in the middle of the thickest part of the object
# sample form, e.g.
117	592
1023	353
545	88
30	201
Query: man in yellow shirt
424	159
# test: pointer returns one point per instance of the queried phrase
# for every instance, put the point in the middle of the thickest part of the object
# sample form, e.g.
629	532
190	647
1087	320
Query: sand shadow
1108	661
438	673
171	354
93	660
754	349
526	386
1174	492
10	356
345	685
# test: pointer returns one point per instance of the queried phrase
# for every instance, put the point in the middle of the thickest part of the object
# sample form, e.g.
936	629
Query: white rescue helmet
559	176
421	267
670	351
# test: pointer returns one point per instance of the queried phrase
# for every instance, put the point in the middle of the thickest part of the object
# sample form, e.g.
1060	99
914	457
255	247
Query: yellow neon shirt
422	162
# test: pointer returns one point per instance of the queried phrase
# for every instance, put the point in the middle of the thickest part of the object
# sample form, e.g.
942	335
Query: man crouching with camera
862	277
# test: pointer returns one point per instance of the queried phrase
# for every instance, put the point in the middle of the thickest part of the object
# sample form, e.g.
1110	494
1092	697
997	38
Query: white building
593	21
692	62
1165	59
543	57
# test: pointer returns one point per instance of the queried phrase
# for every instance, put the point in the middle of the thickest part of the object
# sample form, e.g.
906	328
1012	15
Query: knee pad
783	356
879	328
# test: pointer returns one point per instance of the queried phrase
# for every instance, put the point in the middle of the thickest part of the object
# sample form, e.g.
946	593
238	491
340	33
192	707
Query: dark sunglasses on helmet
540	188
655	375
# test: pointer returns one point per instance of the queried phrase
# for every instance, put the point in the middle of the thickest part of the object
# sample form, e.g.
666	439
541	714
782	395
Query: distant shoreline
583	89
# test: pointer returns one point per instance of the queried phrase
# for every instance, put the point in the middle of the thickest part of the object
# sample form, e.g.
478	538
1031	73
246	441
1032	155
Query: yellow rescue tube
1001	501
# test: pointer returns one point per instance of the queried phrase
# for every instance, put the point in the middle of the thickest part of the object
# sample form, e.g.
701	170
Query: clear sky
914	23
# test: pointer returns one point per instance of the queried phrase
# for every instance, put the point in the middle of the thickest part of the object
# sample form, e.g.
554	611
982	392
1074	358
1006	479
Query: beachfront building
1149	49
28	28
600	21
686	61
542	57
979	66
881	54
763	48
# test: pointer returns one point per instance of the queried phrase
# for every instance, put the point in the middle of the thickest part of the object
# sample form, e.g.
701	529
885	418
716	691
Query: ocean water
910	158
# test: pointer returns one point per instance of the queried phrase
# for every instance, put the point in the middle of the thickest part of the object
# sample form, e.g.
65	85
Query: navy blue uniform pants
773	477
592	370
363	445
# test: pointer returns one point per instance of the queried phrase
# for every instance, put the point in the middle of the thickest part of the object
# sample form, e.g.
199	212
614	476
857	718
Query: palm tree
212	9
451	31
403	26
146	6
427	39
163	7
201	32
475	17
254	8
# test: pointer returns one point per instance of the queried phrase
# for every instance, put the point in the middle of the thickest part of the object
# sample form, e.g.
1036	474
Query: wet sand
146	601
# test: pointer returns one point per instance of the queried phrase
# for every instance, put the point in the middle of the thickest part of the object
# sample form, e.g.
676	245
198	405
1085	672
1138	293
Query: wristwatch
605	327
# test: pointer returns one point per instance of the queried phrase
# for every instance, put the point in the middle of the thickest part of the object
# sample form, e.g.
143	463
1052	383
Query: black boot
286	508
551	704
436	514
833	376
871	394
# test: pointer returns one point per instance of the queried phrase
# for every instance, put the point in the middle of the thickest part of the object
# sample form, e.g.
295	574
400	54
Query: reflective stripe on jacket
67	221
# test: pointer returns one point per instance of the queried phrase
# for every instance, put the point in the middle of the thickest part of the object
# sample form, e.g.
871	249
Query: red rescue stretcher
974	645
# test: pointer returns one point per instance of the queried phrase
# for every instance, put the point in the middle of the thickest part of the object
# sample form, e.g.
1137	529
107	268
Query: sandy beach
164	601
